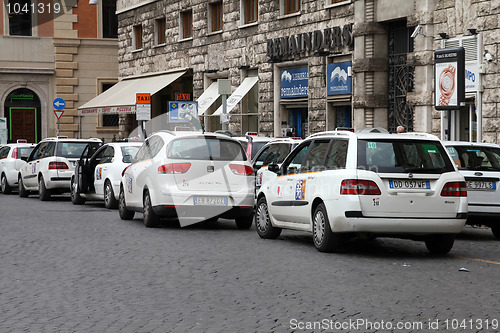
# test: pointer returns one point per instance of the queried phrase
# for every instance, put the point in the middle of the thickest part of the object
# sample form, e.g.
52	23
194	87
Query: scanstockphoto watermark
364	325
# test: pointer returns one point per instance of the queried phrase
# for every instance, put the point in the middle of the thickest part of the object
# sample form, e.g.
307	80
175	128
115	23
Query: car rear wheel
125	214
76	198
6	189
23	193
110	201
151	220
440	244
43	192
496	231
244	222
324	239
263	222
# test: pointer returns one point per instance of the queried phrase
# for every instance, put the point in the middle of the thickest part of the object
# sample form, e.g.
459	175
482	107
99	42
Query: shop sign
294	82
181	112
310	41
449	79
471	77
338	78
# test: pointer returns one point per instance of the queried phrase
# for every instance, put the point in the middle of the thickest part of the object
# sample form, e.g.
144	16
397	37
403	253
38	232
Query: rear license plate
210	201
481	186
410	184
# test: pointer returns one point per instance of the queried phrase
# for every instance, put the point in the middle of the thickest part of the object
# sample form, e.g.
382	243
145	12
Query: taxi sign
22	141
183	96
142	98
143	106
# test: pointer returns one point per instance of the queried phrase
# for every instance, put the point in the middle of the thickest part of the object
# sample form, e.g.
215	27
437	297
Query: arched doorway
23	113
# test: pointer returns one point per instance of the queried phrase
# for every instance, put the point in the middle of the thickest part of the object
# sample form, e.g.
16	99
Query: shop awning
121	97
208	98
238	94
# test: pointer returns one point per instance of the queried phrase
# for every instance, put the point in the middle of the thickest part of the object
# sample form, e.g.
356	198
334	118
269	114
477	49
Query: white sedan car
99	177
480	165
189	176
12	157
341	183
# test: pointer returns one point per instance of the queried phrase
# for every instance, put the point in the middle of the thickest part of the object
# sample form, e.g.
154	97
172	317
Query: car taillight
454	189
242	170
359	187
249	150
123	172
174	168
15	153
58	166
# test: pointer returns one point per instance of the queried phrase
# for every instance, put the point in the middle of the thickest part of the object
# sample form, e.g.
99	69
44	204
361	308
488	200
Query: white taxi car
189	176
99	177
480	165
342	183
50	166
12	157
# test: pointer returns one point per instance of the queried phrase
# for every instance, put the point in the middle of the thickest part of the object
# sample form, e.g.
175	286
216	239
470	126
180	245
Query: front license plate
210	201
481	186
410	184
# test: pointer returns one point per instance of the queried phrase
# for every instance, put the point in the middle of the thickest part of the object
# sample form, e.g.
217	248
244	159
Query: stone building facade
357	63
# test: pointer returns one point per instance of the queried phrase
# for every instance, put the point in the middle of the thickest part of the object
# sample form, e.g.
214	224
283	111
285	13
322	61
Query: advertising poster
446	74
449	78
181	112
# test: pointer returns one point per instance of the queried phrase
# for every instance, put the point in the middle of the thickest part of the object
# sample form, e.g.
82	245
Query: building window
250	11
160	26
291	6
109	120
20	21
138	37
109	19
187	24
215	14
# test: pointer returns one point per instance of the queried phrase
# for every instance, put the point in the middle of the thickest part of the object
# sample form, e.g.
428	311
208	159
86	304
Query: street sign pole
224	89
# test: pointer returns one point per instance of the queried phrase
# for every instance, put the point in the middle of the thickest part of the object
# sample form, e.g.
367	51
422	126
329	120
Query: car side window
293	163
337	155
34	153
259	160
156	143
4	152
98	158
46	150
108	155
314	160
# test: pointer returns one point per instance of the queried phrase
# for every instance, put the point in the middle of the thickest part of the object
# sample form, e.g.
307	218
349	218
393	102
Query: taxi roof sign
22	141
142	98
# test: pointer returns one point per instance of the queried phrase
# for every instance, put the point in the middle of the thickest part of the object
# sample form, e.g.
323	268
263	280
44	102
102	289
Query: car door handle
289	179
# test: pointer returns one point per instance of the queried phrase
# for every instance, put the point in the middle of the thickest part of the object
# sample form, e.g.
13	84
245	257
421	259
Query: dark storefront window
19	18
109	19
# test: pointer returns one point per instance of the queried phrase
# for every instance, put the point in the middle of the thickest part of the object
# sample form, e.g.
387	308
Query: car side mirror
127	158
273	167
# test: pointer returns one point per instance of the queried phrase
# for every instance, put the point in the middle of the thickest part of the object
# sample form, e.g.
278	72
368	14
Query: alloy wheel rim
107	194
4	183
319	227
262	218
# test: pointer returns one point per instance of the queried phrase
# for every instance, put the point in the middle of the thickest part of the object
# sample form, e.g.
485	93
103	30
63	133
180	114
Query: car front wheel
110	201
23	193
76	198
125	214
324	239
440	244
263	221
151	220
6	189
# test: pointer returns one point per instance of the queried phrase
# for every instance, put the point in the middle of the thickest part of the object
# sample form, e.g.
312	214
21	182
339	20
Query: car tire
151	220
43	192
496	231
324	238
244	222
125	214
110	201
440	244
263	224
6	189
23	193
76	198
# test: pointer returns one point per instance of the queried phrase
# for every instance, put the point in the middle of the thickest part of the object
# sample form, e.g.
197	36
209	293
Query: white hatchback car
189	176
50	166
480	165
12	157
99	177
342	183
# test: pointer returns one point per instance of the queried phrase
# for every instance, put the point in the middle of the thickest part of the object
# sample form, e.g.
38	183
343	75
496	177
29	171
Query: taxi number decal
129	184
300	190
33	168
98	173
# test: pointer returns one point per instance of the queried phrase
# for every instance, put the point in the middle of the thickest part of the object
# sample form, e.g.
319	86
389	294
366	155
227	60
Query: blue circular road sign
59	103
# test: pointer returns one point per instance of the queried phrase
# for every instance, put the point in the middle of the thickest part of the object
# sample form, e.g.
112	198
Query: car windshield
475	157
206	148
403	156
75	149
130	150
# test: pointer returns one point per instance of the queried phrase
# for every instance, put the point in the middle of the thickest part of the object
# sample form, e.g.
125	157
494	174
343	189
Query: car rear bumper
203	212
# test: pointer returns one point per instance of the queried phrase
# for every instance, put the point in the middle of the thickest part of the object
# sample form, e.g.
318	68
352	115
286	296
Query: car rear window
75	149
403	156
475	158
130	150
25	151
206	148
